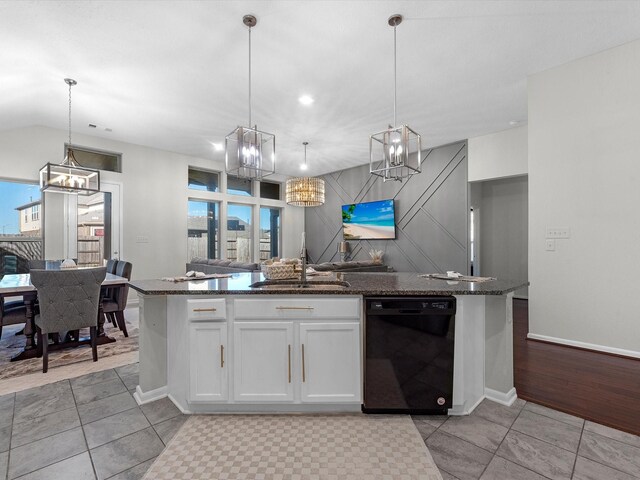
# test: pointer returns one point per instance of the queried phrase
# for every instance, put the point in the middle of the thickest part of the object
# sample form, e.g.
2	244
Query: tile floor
91	427
84	428
528	442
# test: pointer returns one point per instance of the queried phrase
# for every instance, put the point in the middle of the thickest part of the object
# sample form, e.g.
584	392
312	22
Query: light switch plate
142	239
563	232
550	245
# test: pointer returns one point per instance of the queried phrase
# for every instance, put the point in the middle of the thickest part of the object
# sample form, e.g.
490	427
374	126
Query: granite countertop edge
402	284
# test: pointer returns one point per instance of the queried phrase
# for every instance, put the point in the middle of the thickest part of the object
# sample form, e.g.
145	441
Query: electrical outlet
563	232
550	245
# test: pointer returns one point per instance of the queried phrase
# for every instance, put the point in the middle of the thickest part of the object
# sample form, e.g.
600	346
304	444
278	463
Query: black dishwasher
409	343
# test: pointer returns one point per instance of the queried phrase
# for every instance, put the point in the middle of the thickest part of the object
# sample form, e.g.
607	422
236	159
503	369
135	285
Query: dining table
19	285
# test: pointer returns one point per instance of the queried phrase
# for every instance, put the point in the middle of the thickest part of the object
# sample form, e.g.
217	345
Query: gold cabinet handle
221	356
204	309
294	308
289	363
303	369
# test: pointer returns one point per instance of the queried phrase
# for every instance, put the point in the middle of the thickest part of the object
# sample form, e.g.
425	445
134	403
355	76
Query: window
94	229
239	233
20	238
202	229
270	190
239	186
35	212
203	180
100	159
269	233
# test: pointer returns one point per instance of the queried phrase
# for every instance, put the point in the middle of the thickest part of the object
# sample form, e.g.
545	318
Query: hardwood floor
596	386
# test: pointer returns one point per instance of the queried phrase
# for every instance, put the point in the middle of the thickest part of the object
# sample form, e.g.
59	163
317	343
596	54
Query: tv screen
369	221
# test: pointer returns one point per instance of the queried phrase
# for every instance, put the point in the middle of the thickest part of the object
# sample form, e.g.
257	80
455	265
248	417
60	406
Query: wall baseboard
150	396
584	346
500	397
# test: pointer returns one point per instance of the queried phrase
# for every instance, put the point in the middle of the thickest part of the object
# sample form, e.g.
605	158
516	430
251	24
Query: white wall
155	194
584	174
500	208
498	155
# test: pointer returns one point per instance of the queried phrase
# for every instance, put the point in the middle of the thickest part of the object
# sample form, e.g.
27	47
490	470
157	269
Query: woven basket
278	272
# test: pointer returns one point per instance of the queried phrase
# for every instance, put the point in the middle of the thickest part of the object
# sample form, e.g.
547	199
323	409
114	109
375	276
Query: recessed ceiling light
306	100
218	147
514	123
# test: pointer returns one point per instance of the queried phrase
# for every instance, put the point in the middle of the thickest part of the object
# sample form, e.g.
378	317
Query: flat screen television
369	221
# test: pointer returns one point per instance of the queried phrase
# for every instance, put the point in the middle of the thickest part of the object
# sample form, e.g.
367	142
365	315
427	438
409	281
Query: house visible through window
202	229
20	226
239	233
269	233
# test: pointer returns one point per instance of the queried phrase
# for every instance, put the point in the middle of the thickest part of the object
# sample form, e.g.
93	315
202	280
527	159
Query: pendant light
69	176
305	191
249	152
394	154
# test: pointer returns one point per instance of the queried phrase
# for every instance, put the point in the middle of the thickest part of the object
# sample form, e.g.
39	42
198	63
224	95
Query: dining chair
69	300
115	301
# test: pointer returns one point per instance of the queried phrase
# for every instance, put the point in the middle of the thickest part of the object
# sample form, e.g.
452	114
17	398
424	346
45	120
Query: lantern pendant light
394	154
249	152
69	176
305	191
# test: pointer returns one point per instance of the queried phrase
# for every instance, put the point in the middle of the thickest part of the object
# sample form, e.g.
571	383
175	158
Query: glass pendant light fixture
69	176
305	191
394	154
249	152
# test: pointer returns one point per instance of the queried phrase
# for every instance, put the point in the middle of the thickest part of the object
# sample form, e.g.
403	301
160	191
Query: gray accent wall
431	214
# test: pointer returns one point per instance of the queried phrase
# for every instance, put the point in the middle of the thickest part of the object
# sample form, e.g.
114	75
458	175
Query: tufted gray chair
115	301
69	300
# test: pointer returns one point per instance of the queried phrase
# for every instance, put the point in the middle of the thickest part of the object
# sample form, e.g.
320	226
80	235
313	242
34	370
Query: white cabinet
208	378
330	362
262	361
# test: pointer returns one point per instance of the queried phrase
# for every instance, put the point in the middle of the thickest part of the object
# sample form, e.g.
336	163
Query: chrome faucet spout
303	274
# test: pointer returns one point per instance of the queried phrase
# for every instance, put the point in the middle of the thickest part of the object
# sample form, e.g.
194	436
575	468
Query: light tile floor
528	442
90	427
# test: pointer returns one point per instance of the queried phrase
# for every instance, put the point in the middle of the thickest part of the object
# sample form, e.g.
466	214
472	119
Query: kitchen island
220	345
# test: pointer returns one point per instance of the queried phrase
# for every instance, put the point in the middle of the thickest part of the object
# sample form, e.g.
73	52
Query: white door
208	378
330	357
263	356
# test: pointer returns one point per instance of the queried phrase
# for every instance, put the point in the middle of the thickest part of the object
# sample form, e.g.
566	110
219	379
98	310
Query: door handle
221	356
289	363
294	308
303	369
204	309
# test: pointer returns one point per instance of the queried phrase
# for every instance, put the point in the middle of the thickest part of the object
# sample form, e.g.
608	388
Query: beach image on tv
369	221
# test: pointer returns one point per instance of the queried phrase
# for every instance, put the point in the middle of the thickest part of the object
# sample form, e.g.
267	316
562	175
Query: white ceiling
173	74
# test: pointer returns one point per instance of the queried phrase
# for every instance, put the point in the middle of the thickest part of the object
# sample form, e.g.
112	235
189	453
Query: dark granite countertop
371	284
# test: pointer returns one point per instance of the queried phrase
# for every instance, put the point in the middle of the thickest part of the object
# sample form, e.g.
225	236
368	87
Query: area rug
296	447
11	344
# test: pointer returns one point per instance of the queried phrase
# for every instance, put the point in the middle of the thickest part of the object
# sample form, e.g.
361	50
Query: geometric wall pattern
431	214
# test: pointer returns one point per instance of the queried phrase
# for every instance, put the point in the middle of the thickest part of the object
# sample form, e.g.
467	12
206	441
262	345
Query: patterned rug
11	344
288	447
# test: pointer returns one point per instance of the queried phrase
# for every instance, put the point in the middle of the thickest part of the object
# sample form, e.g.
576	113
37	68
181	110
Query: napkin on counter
457	277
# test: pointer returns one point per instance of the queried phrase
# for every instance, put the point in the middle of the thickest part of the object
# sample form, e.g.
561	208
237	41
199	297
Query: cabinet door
330	357
263	356
208	378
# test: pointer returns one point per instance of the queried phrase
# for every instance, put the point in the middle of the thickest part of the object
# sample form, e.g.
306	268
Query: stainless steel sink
295	284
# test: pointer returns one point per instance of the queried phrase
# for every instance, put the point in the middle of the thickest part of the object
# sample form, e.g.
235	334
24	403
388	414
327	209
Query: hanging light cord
249	77
69	114
395	78
305	153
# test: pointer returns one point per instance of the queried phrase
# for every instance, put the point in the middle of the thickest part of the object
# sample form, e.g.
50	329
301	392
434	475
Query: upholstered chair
115	301
69	300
